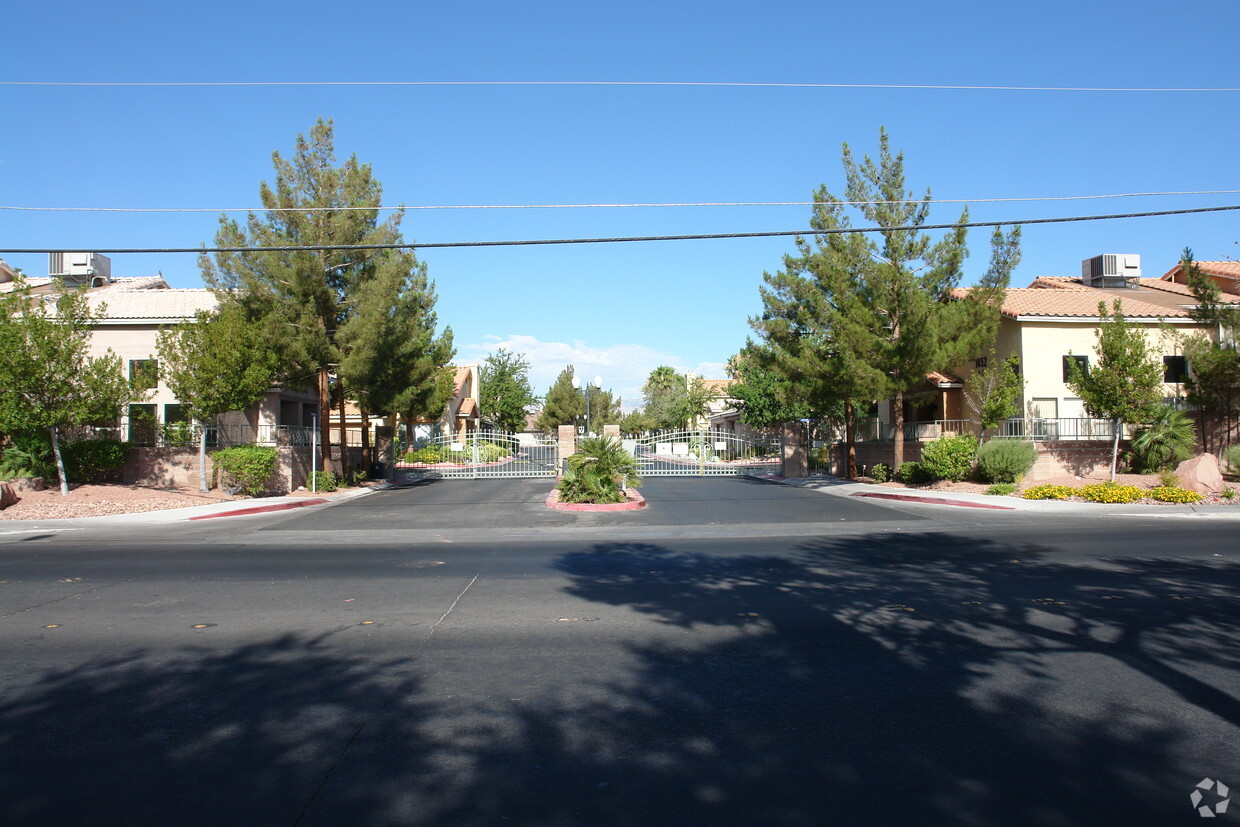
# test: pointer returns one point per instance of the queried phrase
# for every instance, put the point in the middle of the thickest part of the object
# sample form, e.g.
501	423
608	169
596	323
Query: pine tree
218	363
504	390
310	296
389	347
1125	383
1213	383
866	316
563	404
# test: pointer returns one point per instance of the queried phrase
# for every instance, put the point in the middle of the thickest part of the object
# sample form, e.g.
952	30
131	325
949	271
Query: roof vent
1111	270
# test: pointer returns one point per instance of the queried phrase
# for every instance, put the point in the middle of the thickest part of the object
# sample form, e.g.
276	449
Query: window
1175	369
144	373
1083	361
174	414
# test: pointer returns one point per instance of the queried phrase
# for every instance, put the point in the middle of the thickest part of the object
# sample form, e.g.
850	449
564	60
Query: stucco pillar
796	460
612	431
566	436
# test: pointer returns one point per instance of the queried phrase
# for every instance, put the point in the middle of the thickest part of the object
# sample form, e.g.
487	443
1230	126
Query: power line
414	245
1030	199
673	83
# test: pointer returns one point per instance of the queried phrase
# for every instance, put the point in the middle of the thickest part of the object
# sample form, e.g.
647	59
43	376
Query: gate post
566	436
795	458
611	431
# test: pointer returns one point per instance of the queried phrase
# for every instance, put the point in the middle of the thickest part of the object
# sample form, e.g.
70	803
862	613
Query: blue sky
620	310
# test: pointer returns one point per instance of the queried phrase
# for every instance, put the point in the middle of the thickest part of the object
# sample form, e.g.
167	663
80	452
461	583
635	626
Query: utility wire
415	245
680	83
609	206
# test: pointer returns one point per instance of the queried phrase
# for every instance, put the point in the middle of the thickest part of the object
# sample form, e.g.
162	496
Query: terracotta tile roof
468	409
1082	303
1223	269
717	386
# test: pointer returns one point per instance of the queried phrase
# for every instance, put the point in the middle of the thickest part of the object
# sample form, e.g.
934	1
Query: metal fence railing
1035	428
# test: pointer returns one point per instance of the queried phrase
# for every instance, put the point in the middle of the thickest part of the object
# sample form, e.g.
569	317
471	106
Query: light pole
598	383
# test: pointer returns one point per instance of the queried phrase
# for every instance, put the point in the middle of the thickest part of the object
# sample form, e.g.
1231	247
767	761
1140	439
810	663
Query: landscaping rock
28	484
1201	474
7	496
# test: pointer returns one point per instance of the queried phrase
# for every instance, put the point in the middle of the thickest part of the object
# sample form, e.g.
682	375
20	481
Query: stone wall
178	467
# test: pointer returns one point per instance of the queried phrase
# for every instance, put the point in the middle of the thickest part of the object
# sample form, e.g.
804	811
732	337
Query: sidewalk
236	508
843	488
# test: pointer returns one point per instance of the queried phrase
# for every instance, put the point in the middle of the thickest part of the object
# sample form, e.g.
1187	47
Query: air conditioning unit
1111	270
79	268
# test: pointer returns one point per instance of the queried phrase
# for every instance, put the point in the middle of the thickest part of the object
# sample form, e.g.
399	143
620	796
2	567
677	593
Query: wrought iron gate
481	455
705	454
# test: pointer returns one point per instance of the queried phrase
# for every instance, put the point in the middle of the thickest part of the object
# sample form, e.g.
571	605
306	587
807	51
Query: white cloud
624	368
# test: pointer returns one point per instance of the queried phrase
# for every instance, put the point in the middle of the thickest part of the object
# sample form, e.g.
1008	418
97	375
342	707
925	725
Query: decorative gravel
102	500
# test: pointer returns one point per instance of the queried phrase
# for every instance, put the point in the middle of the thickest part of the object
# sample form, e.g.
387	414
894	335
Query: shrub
1001	489
593	472
29	455
881	472
429	455
1232	458
1166	439
913	473
1005	460
1174	494
245	467
1048	492
322	481
91	460
950	457
1228	492
1169	478
1110	492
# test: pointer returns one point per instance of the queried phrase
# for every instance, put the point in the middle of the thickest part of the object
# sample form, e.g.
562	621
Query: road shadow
914	678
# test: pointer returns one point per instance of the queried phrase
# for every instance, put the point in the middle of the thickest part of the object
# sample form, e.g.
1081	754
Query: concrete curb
842	488
635	502
187	513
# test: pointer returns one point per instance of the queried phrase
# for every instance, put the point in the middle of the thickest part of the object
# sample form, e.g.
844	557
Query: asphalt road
738	653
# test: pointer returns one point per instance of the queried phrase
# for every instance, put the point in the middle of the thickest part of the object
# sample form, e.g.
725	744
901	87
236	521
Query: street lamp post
597	383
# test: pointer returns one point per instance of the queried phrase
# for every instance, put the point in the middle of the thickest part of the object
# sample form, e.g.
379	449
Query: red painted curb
912	498
637	501
262	509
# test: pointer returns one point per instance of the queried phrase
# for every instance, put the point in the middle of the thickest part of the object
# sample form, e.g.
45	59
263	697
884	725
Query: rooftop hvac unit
78	268
1111	270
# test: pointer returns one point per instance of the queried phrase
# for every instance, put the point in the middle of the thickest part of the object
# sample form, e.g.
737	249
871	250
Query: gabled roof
1065	297
1222	269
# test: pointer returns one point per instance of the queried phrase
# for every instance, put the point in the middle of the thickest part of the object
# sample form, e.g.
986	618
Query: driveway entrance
705	454
481	455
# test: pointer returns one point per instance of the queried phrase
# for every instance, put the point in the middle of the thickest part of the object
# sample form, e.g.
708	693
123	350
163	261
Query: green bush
1049	492
1001	489
322	481
1005	460
93	460
429	455
1232	459
29	455
913	473
1174	494
1110	492
881	472
950	457
178	434
594	471
246	467
1166	439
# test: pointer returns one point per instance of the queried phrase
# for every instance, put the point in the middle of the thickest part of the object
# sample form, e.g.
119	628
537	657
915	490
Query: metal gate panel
705	454
481	455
